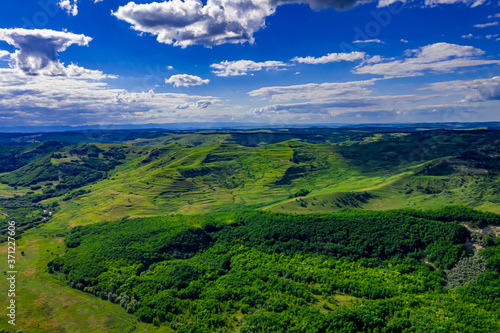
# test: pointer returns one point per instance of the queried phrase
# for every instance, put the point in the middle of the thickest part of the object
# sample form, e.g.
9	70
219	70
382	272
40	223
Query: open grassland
46	304
107	182
200	174
201	180
308	273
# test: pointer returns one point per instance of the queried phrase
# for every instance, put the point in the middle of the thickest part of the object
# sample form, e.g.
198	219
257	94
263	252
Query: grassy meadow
85	183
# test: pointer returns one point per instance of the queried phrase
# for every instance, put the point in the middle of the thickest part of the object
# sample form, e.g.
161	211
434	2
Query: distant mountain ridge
193	126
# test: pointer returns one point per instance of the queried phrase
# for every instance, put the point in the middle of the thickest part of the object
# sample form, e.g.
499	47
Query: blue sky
81	62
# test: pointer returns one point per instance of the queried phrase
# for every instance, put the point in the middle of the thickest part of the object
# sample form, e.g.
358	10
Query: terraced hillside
96	182
51	187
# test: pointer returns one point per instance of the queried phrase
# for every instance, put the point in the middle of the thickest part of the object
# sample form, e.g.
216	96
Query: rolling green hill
277	271
51	187
98	182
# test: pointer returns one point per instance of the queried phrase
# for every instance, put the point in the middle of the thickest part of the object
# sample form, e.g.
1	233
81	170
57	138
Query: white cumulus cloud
189	22
242	67
485	25
478	90
186	80
216	22
439	57
315	91
33	100
331	57
4	54
200	104
363	41
69	6
205	103
38	49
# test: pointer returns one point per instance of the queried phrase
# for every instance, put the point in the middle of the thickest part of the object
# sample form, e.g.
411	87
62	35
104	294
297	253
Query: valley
207	182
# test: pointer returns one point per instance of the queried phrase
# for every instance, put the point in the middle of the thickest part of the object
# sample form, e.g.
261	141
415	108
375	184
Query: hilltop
283	171
196	196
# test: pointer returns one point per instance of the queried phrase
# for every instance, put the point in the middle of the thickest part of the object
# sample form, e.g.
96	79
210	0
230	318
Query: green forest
351	271
296	230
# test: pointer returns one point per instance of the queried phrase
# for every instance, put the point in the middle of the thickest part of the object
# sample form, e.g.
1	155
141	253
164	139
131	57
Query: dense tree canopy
349	271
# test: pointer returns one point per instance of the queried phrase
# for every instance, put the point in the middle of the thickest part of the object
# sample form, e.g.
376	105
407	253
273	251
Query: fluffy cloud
442	51
326	98
242	67
314	91
478	90
185	80
361	41
471	36
200	104
69	6
355	99
485	25
189	22
332	99
385	3
365	104
216	22
38	49
331	57
312	107
32	100
28	96
471	3
205	103
439	57
4	54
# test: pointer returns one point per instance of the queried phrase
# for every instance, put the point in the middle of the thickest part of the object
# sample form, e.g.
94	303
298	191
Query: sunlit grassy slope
201	174
46	304
401	172
200	180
